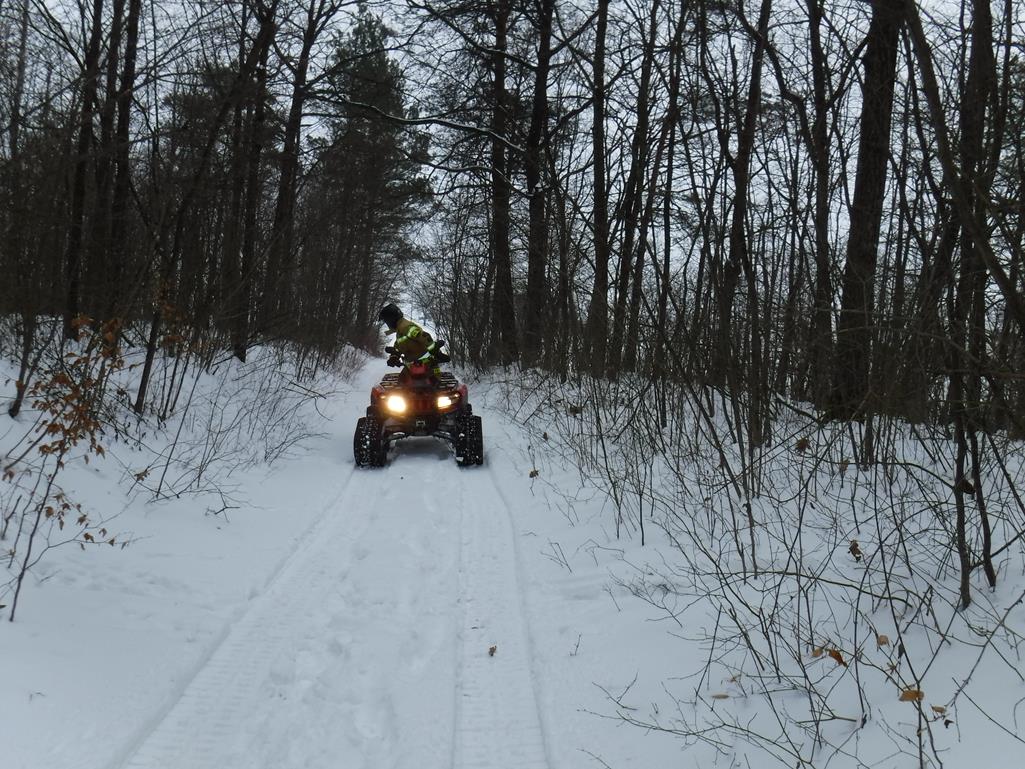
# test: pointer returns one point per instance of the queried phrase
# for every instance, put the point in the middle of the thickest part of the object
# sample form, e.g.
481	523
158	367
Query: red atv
418	402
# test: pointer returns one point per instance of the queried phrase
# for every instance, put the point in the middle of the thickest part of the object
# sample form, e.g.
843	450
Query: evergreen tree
368	191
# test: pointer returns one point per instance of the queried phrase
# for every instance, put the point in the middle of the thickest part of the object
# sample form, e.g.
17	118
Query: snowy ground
342	618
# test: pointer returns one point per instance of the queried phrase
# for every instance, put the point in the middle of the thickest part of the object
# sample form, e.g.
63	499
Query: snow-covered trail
499	724
321	616
370	646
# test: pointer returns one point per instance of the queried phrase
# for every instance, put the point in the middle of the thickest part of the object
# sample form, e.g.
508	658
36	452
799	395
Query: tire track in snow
498	721
200	727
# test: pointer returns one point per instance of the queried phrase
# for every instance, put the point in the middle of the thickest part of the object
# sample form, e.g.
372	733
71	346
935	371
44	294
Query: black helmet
391	315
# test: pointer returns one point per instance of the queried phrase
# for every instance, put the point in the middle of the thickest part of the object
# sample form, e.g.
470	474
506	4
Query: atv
418	401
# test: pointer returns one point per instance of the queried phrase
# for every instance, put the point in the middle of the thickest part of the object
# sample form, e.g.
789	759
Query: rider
412	344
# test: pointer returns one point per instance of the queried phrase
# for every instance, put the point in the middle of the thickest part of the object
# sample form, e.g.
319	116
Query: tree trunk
507	349
633	194
73	253
537	238
851	375
24	293
254	155
100	284
822	321
968	318
119	305
739	249
598	313
954	183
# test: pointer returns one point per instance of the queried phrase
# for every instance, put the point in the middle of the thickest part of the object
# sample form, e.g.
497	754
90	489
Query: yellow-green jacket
412	342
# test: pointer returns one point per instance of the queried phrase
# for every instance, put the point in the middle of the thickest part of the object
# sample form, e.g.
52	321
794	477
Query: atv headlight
396	404
445	402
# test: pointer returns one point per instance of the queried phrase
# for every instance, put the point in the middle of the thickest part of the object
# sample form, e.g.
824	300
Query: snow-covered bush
204	420
67	401
824	582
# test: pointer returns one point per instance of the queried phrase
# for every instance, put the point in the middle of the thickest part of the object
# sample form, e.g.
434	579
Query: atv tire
470	441
367	446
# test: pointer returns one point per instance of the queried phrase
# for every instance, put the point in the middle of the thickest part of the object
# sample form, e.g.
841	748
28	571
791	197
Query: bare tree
851	376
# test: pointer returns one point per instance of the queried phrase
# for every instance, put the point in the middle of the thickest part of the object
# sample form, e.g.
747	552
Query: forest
751	257
818	203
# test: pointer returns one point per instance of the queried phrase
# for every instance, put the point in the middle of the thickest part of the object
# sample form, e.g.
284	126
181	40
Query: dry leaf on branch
855	550
911	695
534	473
835	654
882	640
720	696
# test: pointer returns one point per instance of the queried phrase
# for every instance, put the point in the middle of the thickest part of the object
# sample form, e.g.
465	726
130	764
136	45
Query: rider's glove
394	361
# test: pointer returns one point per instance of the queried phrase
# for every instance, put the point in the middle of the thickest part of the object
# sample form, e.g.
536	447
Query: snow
803	662
345	617
337	617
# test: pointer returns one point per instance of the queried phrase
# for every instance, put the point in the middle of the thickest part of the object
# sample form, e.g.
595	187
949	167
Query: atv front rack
442	381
